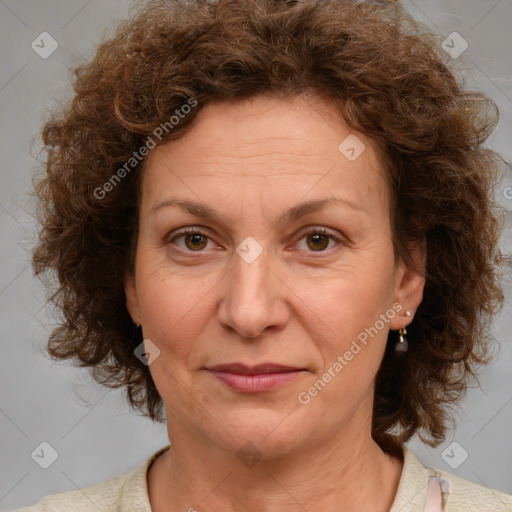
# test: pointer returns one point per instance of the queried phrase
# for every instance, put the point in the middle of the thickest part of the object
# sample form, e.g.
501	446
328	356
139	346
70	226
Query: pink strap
437	494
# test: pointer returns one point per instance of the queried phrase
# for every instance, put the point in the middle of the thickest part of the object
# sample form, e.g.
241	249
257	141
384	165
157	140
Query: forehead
267	148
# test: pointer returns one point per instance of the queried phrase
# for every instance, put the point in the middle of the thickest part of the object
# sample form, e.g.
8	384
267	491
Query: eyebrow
300	210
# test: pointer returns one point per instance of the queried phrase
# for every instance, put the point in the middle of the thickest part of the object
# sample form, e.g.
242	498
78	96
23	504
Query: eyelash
303	234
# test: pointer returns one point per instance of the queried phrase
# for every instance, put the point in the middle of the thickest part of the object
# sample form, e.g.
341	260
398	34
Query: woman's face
256	282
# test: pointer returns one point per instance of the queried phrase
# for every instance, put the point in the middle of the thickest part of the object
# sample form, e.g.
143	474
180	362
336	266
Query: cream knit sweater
128	492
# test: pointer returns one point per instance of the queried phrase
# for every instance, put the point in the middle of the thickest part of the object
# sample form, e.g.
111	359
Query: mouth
254	379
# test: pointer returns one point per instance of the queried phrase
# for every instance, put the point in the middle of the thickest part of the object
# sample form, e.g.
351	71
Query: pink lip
263	377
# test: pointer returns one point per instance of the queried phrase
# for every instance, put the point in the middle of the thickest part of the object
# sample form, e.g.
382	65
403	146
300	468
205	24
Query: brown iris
197	240
316	241
320	241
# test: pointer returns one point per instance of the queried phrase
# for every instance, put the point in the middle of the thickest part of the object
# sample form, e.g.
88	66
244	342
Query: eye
194	239
318	239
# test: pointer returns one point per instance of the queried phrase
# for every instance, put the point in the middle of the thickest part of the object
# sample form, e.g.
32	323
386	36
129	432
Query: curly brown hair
380	69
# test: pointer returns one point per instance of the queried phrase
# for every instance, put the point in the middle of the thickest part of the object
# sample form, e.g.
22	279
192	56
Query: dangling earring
403	345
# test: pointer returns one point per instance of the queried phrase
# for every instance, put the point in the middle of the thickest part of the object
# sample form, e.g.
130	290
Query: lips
254	379
242	369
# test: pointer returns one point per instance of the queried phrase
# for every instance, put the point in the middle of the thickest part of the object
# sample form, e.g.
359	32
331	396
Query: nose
254	298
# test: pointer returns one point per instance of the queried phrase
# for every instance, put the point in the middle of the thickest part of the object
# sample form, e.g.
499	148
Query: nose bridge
251	273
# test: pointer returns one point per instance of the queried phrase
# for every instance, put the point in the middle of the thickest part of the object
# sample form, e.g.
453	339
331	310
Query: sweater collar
135	494
410	497
412	487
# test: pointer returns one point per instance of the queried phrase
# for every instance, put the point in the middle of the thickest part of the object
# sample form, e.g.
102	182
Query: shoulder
118	493
464	495
103	496
461	495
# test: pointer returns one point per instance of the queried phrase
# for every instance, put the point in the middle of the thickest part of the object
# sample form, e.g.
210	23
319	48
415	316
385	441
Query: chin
270	433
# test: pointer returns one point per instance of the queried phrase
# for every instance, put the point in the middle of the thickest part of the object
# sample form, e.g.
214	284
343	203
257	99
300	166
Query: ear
132	301
409	285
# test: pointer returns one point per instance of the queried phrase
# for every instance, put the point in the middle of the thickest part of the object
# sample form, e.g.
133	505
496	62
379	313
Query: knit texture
129	493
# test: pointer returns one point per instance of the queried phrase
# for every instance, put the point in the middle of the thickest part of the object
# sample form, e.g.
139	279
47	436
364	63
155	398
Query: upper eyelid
206	231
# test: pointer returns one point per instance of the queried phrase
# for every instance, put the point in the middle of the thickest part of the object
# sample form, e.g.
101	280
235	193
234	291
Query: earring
403	345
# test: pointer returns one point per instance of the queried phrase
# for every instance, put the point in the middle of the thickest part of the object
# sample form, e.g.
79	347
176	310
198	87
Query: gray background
44	401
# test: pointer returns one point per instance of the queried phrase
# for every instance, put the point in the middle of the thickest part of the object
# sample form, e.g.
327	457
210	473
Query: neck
350	472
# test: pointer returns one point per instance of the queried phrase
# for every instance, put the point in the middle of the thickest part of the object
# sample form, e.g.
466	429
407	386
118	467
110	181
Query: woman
273	222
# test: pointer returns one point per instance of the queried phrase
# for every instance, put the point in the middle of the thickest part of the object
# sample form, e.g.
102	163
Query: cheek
350	299
173	318
355	319
173	309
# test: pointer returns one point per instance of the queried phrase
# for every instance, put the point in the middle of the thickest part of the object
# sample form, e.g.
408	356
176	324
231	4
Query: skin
295	305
